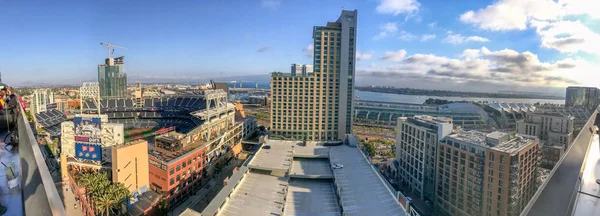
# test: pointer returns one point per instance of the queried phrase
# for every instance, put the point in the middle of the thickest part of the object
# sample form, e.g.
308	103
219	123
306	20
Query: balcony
37	193
571	188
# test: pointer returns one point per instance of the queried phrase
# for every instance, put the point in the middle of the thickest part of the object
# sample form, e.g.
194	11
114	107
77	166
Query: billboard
88	151
51	106
88	129
88	142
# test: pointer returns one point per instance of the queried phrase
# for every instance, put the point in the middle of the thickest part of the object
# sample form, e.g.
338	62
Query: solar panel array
153	112
50	121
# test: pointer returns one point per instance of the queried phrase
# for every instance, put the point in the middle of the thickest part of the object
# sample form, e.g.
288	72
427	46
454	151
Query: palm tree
104	204
121	196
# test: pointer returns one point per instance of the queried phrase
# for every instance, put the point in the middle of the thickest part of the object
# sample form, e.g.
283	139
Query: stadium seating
153	112
50	121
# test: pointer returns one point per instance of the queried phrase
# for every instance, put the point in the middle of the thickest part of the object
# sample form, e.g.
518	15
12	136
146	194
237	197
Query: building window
177	168
171	171
171	182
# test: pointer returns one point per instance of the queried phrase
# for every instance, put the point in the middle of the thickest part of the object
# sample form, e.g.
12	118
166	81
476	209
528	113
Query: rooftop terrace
168	155
36	193
571	187
510	145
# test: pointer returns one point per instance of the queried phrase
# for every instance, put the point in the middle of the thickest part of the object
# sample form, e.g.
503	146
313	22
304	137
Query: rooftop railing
37	187
560	192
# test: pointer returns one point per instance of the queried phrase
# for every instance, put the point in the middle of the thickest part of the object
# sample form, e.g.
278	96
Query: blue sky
58	41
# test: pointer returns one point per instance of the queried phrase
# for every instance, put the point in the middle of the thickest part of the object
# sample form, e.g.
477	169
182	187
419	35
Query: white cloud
394	56
432	25
505	15
427	37
546	16
387	29
309	50
501	67
396	7
270	4
363	56
512	14
477	39
567	36
405	36
459	39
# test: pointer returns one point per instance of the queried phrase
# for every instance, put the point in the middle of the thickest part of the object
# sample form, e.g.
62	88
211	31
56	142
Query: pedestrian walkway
210	189
68	199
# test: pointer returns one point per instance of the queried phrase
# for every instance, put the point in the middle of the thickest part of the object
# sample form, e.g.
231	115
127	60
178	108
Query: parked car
337	166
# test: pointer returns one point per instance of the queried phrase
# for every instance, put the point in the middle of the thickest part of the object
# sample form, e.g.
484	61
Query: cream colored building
130	164
555	131
416	152
318	105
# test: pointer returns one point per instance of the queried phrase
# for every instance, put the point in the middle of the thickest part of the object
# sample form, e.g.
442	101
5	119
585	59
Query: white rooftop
257	194
362	190
512	145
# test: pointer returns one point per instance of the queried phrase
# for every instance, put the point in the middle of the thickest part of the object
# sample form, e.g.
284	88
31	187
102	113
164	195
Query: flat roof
168	156
363	192
257	194
311	167
514	144
272	156
307	197
433	119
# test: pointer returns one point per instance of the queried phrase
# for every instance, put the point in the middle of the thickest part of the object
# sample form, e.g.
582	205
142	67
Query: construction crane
111	45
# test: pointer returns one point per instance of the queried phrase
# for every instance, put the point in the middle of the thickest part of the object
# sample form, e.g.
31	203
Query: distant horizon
541	46
251	83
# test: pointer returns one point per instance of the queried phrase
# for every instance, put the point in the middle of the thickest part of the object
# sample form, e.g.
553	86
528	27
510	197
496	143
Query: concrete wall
130	165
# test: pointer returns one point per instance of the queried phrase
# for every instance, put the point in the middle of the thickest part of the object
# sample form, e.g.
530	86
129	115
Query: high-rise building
300	69
112	78
587	97
318	105
41	98
296	69
416	152
306	69
486	174
555	131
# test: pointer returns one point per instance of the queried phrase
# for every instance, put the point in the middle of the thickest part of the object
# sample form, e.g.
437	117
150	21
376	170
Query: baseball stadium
150	116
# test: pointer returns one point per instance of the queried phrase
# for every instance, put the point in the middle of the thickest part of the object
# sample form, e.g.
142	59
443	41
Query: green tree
29	116
104	204
163	206
370	149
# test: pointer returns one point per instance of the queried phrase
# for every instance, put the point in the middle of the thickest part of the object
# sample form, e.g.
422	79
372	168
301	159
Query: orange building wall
130	164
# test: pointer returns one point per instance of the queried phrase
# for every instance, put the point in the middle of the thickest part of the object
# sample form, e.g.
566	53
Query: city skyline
541	48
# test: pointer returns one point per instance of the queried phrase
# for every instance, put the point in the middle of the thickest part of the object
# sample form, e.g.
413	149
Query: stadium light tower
108	45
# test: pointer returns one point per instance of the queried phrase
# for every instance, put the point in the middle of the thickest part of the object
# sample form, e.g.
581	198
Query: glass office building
112	78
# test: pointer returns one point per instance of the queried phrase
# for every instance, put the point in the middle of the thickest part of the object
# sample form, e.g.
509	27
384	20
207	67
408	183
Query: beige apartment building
555	131
130	165
416	152
491	174
318	105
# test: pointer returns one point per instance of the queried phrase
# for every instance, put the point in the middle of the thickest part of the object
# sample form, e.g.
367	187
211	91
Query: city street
208	191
